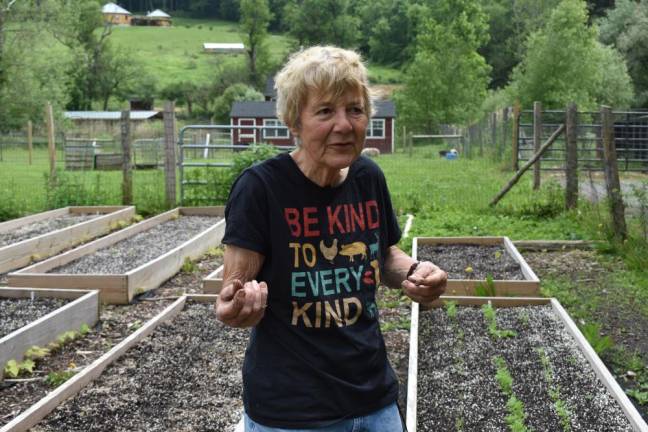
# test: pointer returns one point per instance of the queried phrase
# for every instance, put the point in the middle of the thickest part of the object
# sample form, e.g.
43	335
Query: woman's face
332	132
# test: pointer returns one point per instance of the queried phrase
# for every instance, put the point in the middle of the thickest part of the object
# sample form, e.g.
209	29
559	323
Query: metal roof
267	109
109	115
223	46
158	13
112	8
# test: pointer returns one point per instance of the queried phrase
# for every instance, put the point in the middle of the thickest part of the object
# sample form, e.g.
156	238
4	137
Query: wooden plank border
70	388
121	288
16	223
22	253
528	287
84	309
604	375
213	282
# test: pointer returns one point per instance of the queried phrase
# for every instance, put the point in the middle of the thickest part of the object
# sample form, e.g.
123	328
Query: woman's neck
319	174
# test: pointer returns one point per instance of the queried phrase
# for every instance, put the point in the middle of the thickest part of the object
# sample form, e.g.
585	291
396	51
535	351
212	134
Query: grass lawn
24	188
451	197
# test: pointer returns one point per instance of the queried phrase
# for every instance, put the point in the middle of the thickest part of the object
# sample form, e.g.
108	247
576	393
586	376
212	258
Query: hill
173	54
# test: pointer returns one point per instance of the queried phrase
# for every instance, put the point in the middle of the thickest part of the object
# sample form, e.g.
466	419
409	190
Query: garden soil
185	376
623	322
115	324
592	282
457	385
468	261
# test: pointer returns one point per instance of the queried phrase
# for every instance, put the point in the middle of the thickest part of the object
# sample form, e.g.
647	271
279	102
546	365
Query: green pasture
175	54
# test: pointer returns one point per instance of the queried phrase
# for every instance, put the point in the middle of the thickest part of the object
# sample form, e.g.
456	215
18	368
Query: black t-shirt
318	355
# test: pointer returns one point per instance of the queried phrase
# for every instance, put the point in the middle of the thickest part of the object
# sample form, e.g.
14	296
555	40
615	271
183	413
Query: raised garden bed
39	236
184	376
42	315
116	322
133	260
213	283
524	363
491	265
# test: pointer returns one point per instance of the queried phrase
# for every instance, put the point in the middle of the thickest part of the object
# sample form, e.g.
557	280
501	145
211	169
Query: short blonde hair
327	70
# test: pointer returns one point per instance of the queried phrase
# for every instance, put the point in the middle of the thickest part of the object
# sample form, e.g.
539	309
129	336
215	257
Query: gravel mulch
116	323
17	313
134	251
395	316
45	226
456	377
483	260
185	376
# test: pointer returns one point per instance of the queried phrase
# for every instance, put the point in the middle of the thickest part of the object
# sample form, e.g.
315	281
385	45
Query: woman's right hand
242	305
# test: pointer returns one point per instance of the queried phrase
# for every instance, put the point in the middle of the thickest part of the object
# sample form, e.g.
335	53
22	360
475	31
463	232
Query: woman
316	228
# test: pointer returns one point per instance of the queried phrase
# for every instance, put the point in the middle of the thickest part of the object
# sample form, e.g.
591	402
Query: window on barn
376	128
274	133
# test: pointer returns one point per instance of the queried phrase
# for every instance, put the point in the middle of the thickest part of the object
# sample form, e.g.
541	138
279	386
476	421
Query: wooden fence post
480	138
516	134
51	144
169	154
571	156
127	173
505	132
612	182
30	141
494	133
537	137
527	165
410	141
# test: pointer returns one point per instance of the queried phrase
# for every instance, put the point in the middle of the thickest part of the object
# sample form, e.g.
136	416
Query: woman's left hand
426	283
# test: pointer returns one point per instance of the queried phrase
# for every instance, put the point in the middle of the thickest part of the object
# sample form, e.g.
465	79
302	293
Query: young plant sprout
491	321
515	407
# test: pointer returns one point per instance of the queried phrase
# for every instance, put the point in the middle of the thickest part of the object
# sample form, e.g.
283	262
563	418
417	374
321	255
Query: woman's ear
295	129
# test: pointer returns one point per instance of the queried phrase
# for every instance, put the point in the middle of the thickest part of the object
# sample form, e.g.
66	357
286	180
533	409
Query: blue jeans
384	420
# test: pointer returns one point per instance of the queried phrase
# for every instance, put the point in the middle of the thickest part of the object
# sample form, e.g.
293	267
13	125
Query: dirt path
587	287
593	188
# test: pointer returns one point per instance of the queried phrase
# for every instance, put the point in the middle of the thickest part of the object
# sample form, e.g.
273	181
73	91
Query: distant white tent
158	13
112	8
224	47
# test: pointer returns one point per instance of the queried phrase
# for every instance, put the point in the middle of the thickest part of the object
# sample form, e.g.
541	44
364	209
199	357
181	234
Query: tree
76	27
32	66
386	30
235	92
446	82
255	17
5	10
183	92
565	63
626	28
313	22
510	23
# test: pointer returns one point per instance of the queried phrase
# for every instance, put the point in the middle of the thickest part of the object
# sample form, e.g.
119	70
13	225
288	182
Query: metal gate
630	138
205	154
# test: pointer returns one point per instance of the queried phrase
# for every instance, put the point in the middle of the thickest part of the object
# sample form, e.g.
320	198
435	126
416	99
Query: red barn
380	131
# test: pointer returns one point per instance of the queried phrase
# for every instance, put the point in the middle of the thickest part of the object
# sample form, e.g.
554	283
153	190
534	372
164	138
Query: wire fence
89	169
630	138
